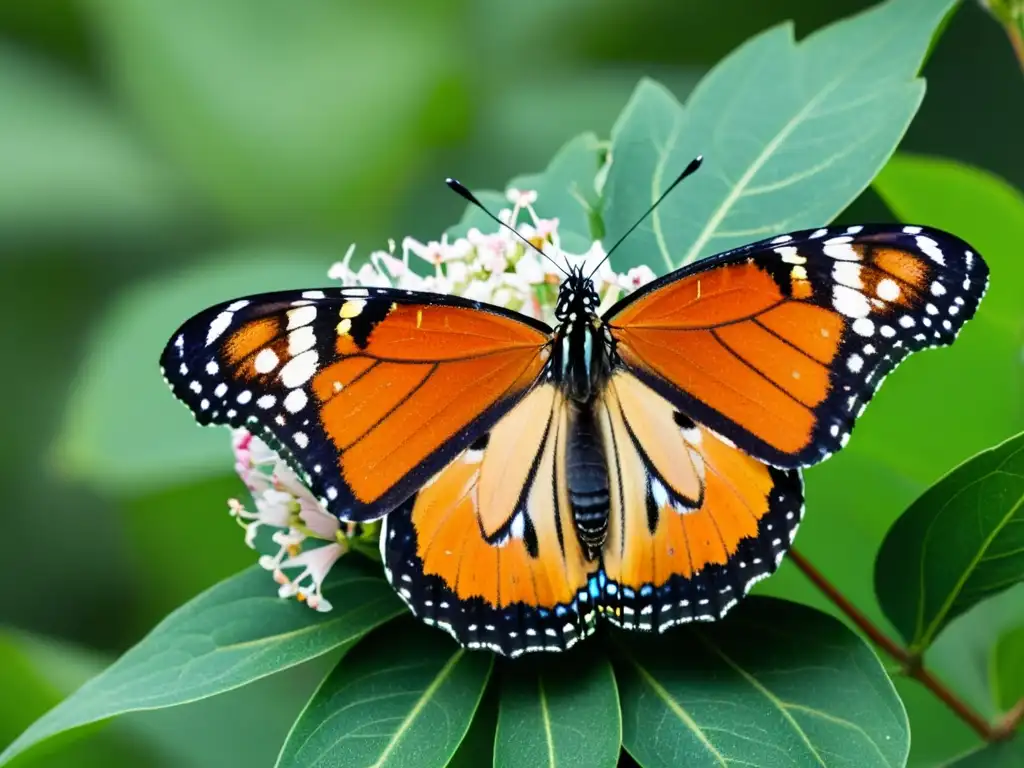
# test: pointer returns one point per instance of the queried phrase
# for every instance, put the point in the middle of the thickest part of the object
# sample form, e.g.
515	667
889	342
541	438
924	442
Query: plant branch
913	664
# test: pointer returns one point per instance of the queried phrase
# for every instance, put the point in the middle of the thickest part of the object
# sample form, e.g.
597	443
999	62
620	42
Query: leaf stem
912	663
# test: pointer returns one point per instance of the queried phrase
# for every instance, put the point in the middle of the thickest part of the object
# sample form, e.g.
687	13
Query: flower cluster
503	267
506	268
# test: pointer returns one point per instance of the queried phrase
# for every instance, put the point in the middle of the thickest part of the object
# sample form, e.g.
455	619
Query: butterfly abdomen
588	482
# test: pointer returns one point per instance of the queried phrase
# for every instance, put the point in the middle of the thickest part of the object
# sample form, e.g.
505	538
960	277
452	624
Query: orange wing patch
425	408
706	369
716	336
509	575
668	560
703	300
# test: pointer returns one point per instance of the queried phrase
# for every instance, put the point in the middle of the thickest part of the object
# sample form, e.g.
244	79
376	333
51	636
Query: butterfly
641	465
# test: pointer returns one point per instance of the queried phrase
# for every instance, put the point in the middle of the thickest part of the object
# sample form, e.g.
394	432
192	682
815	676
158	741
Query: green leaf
559	712
783	129
775	681
235	633
404	697
479	740
963	654
120	402
473	217
565	190
1008	754
243	727
72	171
1008	668
33	673
985	367
273	111
161	528
960	542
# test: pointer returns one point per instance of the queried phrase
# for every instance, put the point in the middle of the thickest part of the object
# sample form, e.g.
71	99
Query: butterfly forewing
779	345
367	392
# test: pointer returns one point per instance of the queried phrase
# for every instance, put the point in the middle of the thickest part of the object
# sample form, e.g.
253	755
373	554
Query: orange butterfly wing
780	344
368	392
487	550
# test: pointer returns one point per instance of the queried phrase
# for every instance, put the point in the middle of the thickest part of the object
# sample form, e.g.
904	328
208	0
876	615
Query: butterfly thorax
580	356
581	361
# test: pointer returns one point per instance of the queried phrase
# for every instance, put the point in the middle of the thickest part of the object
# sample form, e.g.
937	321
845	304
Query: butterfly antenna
689	170
459	188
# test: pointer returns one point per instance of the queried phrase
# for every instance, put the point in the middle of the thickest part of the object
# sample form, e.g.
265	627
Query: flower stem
912	664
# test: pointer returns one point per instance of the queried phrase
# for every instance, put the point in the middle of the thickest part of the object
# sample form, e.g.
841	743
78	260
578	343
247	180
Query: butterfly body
642	464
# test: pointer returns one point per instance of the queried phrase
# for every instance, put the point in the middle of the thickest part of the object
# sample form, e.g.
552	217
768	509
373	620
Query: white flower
315	563
636	277
521	198
307	537
499	267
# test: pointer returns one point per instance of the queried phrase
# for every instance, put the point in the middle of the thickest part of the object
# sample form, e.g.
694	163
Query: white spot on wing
659	493
266	360
791	254
295	400
855	363
931	248
266	401
841	251
218	325
863	326
888	289
850	302
300	340
847	273
300	317
299	370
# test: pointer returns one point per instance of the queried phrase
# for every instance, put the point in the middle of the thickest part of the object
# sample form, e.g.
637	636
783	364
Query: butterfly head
577	297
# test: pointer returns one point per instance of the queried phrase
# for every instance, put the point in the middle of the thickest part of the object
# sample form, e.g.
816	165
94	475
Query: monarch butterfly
642	464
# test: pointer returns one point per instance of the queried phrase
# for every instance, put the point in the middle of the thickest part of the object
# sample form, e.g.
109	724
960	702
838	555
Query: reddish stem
912	664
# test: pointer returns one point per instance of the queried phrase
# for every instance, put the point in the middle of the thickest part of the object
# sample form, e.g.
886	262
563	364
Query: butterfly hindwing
367	392
487	550
694	521
779	345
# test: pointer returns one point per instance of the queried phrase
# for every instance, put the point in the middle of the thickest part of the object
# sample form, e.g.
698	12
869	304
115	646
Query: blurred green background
158	156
